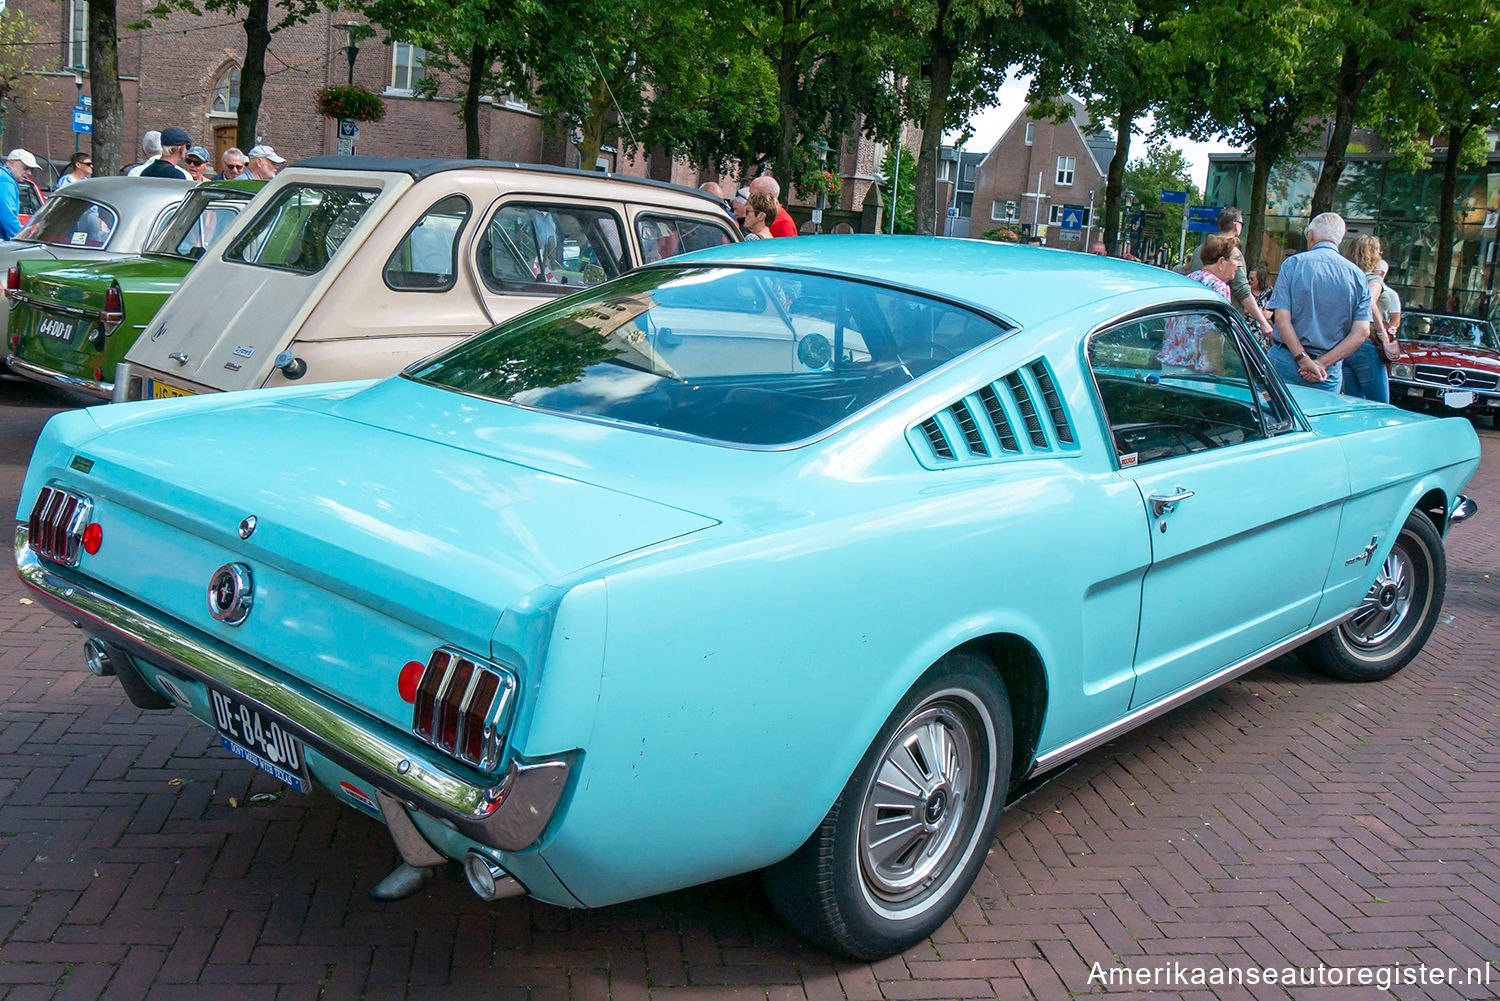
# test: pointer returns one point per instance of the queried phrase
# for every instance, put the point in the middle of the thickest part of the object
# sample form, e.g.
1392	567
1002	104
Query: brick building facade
182	71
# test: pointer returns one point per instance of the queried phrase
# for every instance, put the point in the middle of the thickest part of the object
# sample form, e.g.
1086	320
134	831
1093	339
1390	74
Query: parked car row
797	557
1449	364
344	267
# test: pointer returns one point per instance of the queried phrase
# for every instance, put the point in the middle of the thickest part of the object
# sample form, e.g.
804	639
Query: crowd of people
171	153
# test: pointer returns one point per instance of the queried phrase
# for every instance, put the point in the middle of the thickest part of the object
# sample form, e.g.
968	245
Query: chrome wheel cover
1387	605
918	812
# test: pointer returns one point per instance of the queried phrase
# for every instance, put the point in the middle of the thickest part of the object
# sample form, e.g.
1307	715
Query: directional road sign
1179	197
1203	219
83	120
1072	218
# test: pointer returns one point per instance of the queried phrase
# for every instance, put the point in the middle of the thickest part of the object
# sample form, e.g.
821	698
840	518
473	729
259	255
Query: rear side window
71	222
664	236
427	259
203	217
536	247
302	227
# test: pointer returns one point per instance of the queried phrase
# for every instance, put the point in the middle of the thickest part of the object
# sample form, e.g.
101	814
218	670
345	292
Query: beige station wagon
350	267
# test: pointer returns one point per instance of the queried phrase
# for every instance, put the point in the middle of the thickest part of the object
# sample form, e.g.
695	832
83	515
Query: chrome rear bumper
509	816
1462	509
20	366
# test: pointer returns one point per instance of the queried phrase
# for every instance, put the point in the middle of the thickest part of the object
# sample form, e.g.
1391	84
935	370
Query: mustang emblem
230	593
1456	378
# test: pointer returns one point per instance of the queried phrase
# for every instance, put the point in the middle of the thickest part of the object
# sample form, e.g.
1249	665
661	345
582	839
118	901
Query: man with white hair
18	164
151	147
782	225
1322	305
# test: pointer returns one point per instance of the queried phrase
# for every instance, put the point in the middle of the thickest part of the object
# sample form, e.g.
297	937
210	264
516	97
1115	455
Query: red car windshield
1459	331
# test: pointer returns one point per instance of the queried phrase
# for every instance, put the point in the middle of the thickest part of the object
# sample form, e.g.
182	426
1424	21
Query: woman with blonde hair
1364	370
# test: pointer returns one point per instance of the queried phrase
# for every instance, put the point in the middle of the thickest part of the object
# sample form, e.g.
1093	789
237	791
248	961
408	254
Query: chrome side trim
103	390
1462	509
509	816
52	306
1088	742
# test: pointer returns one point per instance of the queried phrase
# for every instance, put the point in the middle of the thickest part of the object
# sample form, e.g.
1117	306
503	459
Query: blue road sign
1203	212
1072	217
83	121
85	102
1178	197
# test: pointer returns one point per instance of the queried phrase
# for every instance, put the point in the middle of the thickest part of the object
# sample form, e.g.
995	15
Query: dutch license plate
1458	399
56	329
244	731
162	391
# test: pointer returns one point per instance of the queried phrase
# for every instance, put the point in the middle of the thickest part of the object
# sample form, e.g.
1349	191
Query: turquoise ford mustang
792	556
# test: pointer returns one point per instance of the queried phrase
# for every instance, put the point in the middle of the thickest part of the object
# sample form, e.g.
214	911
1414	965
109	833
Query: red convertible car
1449	364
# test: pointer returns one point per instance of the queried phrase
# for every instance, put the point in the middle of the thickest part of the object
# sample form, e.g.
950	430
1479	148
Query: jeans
1365	375
1281	361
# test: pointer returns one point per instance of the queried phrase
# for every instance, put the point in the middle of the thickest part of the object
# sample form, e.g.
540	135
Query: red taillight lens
13	279
93	538
410	678
461	705
427	694
114	306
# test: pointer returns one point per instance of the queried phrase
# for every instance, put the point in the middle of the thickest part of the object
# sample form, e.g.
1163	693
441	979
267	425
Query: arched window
227	91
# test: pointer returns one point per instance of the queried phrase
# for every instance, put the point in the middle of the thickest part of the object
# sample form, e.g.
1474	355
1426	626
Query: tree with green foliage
899	190
18	39
259	28
1163	168
1240	71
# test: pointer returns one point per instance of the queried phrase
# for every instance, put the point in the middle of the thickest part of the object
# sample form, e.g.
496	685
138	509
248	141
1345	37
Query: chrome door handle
1167	503
180	357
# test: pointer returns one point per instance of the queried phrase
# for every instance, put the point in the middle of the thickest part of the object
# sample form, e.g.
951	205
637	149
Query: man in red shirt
782	225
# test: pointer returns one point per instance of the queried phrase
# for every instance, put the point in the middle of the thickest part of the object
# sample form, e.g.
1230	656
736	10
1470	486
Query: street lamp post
351	50
77	82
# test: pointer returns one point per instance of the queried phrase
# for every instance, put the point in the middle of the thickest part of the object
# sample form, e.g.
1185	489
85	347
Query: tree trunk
1255	225
479	64
1443	262
943	55
253	73
1114	184
594	126
104	86
787	81
1351	80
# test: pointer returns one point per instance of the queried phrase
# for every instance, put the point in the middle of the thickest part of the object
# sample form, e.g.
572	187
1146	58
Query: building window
945	170
968	173
227	92
408	66
78	34
1065	165
1030	132
1002	210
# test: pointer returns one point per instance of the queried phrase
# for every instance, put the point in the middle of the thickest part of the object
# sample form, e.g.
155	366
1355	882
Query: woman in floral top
1192	344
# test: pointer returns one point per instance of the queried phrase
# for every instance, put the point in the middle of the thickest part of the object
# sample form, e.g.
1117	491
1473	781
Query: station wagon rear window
68	221
201	219
745	356
302	227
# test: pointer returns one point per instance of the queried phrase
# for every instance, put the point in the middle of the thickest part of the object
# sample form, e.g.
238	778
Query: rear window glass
746	356
667	236
302	227
427	259
201	219
550	248
71	222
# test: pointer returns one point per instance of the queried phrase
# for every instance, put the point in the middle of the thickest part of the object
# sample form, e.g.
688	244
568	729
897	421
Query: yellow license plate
162	391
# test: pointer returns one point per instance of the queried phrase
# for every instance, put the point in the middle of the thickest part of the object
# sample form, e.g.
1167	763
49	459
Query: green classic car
71	323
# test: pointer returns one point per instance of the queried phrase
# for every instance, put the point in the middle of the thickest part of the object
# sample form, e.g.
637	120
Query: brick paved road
1285	820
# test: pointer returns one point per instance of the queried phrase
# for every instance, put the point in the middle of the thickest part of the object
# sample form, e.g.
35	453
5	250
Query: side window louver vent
996	411
1029	415
937	439
972	437
1053	402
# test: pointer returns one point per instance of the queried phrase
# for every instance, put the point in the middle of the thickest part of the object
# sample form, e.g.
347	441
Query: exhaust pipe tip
97	657
488	880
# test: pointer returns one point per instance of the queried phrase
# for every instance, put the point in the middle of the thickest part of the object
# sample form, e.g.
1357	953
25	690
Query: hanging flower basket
350	102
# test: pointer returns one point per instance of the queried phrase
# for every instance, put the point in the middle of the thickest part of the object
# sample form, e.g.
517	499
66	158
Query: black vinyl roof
419	169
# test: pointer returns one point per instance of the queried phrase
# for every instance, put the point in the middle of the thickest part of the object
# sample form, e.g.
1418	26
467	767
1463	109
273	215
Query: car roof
1023	283
121	190
419	168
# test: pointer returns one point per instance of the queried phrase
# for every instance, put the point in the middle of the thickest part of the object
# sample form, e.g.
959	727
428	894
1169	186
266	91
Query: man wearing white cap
18	164
264	162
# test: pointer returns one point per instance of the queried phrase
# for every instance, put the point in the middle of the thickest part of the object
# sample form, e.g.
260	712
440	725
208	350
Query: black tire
867	898
1393	622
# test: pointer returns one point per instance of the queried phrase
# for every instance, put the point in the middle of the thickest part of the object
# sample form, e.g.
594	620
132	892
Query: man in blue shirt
18	164
1322	305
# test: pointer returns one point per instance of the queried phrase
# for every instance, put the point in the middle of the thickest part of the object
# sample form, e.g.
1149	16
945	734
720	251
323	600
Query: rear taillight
114	307
13	280
461	707
57	525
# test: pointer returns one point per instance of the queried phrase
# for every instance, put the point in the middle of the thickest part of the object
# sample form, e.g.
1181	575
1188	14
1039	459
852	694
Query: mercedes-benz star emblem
247	527
1456	378
230	593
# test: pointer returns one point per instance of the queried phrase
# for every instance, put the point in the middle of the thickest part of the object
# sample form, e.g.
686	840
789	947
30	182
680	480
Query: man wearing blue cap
174	147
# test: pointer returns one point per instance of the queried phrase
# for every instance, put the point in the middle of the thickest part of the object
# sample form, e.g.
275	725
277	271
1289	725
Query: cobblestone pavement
1283	821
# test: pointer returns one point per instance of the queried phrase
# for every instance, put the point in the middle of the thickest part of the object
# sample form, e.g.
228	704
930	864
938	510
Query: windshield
202	218
68	221
302	227
748	356
1462	331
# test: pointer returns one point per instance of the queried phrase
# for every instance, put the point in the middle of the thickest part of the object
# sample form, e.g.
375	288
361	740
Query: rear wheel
1390	626
908	834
